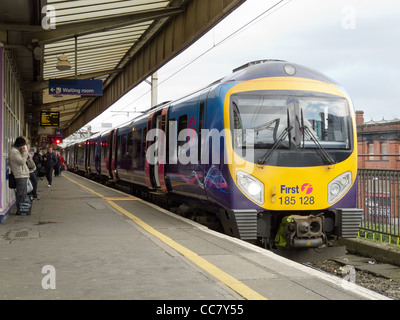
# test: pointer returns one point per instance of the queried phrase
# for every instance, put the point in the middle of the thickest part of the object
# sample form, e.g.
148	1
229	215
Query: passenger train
271	148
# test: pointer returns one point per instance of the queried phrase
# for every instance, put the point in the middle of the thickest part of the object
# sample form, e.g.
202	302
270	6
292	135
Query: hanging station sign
75	87
49	119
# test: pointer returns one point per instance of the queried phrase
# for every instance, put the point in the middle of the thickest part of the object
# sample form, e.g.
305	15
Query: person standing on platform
32	174
57	166
60	164
18	156
38	159
50	162
32	170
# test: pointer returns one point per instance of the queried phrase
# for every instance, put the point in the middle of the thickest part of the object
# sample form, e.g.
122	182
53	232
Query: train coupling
300	232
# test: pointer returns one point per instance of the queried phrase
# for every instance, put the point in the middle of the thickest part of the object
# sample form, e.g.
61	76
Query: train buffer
87	241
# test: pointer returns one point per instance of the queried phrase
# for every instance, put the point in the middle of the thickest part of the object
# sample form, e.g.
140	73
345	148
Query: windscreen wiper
321	151
283	135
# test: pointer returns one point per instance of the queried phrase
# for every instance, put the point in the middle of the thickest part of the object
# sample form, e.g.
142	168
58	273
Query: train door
103	157
149	166
185	172
74	156
199	169
81	149
87	155
162	150
105	154
113	164
97	155
91	156
155	168
157	144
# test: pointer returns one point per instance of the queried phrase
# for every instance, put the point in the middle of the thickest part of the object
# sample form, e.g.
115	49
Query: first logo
307	187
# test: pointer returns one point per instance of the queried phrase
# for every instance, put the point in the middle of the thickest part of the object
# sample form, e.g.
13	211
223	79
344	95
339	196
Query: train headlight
289	69
339	186
251	186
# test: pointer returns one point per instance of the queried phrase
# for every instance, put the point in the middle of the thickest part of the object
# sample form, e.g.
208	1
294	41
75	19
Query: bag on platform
25	207
29	187
12	183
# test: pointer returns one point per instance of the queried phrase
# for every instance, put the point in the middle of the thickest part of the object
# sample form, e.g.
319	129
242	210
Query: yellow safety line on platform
222	276
121	198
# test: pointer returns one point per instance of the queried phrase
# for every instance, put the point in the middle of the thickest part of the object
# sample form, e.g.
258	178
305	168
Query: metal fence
378	196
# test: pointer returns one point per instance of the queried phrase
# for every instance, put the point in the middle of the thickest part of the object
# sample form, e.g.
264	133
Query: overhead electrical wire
247	25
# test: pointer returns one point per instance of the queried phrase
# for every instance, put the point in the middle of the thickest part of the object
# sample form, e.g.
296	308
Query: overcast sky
355	42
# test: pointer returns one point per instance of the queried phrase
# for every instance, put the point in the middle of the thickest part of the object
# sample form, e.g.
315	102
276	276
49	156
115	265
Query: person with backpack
18	157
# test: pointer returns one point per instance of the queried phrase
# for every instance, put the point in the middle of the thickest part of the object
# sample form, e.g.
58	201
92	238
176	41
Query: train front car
293	157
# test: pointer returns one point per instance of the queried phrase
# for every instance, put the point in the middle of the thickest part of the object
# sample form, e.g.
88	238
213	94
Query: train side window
130	151
118	147
123	145
92	151
137	143
104	142
182	124
171	145
143	154
130	144
201	126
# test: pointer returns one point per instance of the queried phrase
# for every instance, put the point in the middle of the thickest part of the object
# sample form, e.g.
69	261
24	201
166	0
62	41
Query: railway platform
90	242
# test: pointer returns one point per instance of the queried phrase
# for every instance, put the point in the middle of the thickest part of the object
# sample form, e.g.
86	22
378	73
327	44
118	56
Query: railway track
366	272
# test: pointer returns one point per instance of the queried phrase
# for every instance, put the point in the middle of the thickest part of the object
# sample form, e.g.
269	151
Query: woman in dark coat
50	161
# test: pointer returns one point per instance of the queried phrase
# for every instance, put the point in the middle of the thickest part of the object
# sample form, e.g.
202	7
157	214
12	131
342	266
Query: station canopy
98	51
95	37
120	42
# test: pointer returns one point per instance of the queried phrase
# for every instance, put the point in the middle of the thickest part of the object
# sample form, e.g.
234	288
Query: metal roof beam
82	28
19	27
122	45
61	103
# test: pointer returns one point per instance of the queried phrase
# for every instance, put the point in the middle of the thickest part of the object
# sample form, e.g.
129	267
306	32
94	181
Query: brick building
378	143
378	148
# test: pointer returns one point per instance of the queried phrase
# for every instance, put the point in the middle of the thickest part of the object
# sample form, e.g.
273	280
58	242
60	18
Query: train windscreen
290	122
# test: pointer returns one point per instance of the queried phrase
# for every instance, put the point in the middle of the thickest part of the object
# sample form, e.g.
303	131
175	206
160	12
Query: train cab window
259	120
305	119
329	121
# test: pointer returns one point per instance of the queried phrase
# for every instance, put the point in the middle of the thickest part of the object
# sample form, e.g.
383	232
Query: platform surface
88	241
